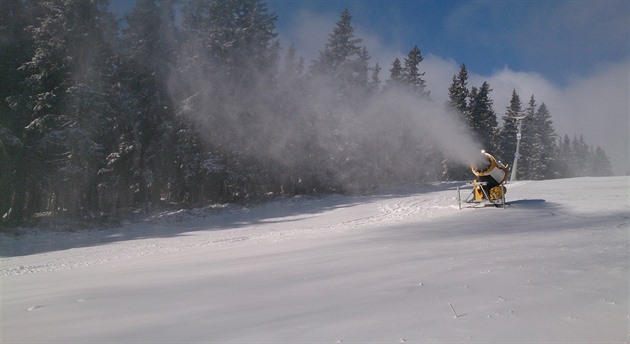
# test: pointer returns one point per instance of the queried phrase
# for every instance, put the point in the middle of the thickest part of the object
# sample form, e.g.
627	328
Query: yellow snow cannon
488	187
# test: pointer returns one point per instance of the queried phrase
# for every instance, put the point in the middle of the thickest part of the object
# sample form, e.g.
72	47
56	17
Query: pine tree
411	72
509	130
601	164
563	158
395	75
458	92
343	59
231	50
16	46
137	168
375	81
293	67
545	138
483	119
233	39
530	147
579	163
361	70
341	46
458	103
68	77
257	48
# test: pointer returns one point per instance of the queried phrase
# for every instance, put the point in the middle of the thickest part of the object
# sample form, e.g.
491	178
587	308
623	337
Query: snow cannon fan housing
491	175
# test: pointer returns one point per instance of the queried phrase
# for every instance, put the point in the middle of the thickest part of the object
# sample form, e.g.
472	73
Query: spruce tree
563	157
483	120
68	75
530	146
602	166
545	138
16	47
343	60
411	72
138	170
458	92
458	103
230	53
375	81
579	163
361	80
395	75
509	130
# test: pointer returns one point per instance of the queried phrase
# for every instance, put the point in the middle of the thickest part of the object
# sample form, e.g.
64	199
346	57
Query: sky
574	56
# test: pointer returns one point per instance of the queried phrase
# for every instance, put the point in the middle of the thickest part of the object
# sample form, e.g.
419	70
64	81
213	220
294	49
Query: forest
186	103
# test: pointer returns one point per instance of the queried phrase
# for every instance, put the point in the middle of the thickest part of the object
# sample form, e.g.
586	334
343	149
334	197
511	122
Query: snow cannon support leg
478	191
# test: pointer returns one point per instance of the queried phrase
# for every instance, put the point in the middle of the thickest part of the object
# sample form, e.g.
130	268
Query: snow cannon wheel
497	192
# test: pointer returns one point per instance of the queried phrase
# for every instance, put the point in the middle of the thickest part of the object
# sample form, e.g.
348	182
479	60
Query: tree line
543	153
188	102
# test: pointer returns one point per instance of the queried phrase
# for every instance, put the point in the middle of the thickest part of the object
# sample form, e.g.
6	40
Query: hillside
403	266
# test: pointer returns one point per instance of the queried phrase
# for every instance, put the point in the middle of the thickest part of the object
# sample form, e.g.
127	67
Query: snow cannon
488	187
491	174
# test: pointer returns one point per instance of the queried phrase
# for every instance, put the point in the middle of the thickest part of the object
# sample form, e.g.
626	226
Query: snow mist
311	130
305	131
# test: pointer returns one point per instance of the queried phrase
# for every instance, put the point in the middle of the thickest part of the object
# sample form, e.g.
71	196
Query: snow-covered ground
408	266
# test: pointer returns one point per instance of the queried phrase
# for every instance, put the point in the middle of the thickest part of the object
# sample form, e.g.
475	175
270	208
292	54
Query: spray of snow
285	126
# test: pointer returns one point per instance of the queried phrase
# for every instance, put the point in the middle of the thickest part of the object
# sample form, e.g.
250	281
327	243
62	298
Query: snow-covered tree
137	169
15	47
68	76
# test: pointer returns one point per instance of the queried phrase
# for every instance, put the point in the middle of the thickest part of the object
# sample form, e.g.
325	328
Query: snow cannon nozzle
480	163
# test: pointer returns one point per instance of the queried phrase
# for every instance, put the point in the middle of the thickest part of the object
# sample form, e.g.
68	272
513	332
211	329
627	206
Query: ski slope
407	266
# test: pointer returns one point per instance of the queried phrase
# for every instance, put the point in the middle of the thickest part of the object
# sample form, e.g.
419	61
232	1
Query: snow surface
408	266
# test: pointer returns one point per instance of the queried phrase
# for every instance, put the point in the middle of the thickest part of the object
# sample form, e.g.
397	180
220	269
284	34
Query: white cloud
595	105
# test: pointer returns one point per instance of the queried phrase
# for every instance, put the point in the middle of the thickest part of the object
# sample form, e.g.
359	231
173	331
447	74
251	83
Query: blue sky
574	56
558	39
561	40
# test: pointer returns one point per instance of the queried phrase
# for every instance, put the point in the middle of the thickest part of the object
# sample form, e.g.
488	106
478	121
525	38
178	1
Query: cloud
595	105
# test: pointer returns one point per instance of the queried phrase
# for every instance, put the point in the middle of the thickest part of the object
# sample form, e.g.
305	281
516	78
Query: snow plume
439	126
303	133
279	128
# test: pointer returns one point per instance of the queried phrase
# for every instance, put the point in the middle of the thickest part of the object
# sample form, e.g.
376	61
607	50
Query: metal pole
519	120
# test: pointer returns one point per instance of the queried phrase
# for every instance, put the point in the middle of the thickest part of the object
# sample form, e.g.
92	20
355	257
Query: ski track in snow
423	205
403	267
382	211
